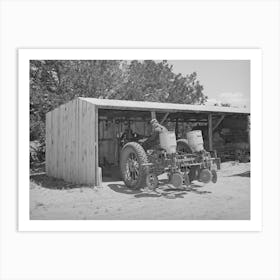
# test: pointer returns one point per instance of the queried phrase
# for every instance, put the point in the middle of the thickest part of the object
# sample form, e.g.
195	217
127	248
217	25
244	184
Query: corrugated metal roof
158	106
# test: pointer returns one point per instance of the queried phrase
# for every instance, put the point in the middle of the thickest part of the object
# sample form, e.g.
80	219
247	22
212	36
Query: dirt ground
228	199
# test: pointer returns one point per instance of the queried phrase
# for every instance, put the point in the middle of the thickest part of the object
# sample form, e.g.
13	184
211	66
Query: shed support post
210	132
153	115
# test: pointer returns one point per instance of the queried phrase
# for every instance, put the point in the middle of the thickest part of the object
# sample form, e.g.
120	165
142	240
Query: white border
254	224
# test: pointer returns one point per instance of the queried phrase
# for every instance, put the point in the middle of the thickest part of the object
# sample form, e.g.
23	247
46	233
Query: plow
142	160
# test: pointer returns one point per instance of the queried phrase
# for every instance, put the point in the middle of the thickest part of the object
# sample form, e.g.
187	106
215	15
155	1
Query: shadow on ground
164	190
243	174
52	183
121	188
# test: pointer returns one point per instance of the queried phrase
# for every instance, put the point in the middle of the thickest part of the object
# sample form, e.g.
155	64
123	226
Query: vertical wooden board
102	133
100	125
92	128
56	121
90	144
63	146
60	123
133	125
96	180
55	141
80	142
60	142
76	166
79	113
67	147
59	154
65	142
51	162
139	127
143	128
69	140
52	147
105	129
100	148
47	160
89	164
86	140
72	141
91	152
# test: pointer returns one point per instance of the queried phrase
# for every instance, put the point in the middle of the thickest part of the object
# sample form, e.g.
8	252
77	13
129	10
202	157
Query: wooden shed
85	133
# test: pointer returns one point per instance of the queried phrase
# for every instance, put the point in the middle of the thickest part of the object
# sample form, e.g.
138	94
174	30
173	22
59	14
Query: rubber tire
182	145
141	158
174	180
205	176
214	176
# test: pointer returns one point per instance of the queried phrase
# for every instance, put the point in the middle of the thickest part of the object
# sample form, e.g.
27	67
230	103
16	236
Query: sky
224	81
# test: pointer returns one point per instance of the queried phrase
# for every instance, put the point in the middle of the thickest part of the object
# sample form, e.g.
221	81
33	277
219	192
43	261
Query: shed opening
224	132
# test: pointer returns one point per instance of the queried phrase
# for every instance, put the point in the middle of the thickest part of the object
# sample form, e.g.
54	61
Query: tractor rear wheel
132	164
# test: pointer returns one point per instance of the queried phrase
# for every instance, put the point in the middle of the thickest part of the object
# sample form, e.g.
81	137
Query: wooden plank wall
110	130
71	142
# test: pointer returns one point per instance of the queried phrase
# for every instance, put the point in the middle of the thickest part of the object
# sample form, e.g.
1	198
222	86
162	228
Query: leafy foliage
54	82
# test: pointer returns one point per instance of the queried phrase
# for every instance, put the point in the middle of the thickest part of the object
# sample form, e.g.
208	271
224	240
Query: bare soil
228	199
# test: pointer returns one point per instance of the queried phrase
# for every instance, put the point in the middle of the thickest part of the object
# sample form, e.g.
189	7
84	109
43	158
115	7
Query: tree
187	90
155	81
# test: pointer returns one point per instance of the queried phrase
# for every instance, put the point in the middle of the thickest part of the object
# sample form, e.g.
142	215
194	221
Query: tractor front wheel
214	176
205	176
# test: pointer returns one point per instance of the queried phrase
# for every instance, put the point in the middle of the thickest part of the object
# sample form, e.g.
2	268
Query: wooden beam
164	118
218	122
176	128
153	115
210	132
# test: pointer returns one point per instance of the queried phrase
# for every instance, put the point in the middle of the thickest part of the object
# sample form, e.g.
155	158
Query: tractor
142	160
